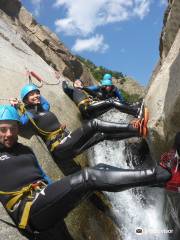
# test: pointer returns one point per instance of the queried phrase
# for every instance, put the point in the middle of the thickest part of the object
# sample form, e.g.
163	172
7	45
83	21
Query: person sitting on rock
35	203
92	103
62	144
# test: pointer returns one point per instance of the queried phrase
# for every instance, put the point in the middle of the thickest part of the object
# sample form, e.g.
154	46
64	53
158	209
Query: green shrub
130	98
99	71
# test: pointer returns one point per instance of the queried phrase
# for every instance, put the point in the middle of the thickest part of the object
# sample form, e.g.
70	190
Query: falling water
140	208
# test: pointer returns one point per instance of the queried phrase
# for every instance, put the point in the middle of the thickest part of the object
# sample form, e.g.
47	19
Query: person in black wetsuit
47	203
64	145
92	102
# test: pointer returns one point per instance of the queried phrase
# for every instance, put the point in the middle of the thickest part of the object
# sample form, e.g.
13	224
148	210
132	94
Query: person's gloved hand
14	102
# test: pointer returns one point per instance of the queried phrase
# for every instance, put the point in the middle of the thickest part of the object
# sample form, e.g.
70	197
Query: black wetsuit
57	199
72	144
100	102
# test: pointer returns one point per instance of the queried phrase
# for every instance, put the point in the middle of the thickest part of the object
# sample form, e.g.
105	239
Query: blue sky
122	35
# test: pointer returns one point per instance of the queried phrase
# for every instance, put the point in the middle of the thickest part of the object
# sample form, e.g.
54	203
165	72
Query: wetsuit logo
139	231
4	157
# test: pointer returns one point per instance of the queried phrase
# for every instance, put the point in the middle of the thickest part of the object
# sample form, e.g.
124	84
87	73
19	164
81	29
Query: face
33	97
78	84
8	133
107	88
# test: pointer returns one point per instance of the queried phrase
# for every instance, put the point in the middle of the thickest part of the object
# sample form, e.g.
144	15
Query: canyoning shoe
141	124
170	161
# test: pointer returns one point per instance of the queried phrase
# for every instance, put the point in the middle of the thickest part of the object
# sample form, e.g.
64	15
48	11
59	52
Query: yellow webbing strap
48	135
86	101
17	195
25	215
54	145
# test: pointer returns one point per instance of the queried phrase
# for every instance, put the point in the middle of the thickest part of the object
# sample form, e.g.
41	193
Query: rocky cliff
44	42
163	101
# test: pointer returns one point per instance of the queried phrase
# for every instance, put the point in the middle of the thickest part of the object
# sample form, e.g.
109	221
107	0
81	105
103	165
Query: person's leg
54	203
76	142
99	137
95	109
57	232
79	140
108	178
66	163
98	108
58	199
129	109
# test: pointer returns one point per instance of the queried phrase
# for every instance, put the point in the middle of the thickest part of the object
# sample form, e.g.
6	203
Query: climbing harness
85	102
17	196
49	136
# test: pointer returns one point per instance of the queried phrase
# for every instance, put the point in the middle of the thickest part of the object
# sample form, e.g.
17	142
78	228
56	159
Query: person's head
107	76
78	83
106	82
30	94
9	119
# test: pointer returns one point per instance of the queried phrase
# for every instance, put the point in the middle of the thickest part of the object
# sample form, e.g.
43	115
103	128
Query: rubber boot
107	178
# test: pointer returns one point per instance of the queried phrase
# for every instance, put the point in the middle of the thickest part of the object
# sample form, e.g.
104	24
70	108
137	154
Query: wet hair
177	142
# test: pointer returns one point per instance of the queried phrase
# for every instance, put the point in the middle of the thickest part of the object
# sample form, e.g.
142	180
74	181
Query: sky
121	35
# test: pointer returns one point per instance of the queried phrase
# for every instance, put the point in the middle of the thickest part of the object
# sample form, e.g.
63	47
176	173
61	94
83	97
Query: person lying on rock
35	203
93	101
62	144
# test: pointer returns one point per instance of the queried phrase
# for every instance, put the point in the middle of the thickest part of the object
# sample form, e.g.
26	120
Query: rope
29	75
12	70
4	99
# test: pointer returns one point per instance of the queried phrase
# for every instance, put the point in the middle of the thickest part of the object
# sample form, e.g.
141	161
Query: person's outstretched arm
119	95
67	89
94	88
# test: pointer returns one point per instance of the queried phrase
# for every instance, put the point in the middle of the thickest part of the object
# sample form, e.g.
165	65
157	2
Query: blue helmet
8	112
107	76
106	82
27	89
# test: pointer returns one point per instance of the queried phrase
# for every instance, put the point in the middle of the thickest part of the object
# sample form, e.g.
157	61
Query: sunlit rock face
163	98
44	42
163	101
170	28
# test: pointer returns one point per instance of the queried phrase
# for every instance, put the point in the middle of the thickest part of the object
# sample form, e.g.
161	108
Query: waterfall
138	208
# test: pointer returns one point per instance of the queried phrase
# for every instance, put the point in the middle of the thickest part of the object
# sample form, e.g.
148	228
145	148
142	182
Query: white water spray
139	208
